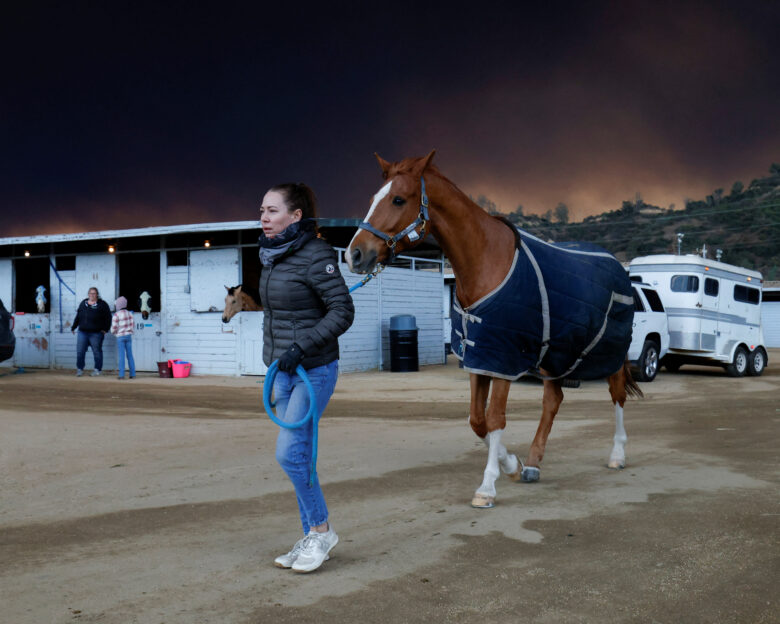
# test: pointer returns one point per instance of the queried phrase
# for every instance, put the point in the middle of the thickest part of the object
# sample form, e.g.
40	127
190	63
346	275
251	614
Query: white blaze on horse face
380	195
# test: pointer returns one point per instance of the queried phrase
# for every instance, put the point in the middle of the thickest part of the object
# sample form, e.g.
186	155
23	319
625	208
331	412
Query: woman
93	320
122	327
307	307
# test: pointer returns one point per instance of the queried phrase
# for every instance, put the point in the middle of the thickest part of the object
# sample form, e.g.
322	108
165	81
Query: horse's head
145	307
233	303
398	216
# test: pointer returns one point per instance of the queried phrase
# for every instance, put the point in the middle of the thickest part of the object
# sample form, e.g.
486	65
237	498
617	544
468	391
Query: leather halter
409	230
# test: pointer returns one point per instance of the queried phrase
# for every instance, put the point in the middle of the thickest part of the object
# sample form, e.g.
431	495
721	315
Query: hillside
745	224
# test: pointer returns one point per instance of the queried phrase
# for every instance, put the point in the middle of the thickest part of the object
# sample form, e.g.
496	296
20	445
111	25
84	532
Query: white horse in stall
146	309
40	299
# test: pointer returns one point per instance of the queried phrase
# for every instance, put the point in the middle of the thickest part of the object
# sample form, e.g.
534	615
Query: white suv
650	338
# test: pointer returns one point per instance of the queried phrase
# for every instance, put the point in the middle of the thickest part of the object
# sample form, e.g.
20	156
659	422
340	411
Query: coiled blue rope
310	415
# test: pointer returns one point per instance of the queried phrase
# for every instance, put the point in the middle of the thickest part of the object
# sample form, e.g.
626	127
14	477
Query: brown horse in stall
481	249
238	300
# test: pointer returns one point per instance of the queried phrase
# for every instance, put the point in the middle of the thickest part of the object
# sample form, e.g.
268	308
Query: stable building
185	270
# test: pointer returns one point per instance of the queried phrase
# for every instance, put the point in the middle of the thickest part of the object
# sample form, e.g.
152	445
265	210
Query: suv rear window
685	283
654	300
638	305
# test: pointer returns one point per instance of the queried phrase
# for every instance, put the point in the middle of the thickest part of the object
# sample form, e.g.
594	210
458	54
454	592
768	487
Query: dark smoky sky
122	114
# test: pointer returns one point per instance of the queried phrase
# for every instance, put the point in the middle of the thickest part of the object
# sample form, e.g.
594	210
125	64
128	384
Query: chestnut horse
418	200
238	299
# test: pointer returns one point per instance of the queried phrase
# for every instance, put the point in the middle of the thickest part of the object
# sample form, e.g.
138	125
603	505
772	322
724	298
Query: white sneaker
95	373
79	372
286	560
314	552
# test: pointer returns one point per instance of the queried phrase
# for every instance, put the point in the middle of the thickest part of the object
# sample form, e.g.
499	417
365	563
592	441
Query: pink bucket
180	368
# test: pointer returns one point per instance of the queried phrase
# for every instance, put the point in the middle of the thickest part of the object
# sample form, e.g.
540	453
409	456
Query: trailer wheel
756	362
648	361
739	365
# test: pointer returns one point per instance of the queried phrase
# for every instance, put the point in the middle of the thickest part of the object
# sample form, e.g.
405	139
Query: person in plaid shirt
122	328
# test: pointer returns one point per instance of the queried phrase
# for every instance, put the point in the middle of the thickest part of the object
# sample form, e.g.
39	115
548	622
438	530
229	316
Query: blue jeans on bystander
89	339
124	344
294	446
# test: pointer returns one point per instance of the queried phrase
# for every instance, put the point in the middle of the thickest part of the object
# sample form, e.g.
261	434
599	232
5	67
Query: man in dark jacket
93	320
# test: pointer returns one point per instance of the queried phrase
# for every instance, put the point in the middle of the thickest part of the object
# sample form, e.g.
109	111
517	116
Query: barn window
177	257
65	263
685	283
746	294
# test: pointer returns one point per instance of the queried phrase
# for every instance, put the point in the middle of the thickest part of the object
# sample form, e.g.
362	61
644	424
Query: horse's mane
254	293
407	165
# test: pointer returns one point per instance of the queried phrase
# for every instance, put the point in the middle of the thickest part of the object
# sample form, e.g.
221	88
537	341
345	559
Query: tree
737	188
487	205
774	169
562	213
718	195
547	216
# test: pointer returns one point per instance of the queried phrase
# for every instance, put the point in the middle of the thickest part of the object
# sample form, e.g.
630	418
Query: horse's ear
423	163
383	164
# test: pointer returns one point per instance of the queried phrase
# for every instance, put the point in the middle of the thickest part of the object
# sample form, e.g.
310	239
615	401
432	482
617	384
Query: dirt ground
159	501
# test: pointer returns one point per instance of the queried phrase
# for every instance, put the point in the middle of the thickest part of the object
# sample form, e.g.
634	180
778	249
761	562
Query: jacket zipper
270	310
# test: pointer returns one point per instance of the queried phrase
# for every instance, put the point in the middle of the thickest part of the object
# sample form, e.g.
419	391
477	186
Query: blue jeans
125	344
294	446
95	341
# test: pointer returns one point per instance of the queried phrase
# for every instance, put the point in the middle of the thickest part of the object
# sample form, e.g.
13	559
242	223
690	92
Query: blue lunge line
312	415
57	275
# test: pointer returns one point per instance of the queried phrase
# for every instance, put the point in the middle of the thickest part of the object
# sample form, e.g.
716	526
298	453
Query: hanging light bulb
207	244
111	249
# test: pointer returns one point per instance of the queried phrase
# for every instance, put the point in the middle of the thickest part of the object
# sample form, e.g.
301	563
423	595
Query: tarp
567	308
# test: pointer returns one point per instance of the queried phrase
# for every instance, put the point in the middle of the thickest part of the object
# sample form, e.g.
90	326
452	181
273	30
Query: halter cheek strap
410	230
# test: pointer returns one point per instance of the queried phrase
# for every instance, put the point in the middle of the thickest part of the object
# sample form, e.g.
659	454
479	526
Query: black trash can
403	344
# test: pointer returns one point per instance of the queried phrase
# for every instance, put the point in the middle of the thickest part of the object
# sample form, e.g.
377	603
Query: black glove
290	359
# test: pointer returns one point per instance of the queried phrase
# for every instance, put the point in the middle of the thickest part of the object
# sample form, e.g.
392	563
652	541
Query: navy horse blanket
567	308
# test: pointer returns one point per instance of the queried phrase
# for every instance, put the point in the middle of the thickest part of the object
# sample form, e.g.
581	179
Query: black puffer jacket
307	302
92	318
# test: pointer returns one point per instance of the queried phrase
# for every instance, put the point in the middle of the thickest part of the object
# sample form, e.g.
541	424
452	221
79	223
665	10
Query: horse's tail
631	386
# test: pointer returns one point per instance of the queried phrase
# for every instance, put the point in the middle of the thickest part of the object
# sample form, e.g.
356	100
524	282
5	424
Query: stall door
250	343
147	341
97	270
33	346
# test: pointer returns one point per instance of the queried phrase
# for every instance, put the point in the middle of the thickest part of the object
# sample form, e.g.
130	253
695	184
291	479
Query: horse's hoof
530	474
516	476
616	464
483	501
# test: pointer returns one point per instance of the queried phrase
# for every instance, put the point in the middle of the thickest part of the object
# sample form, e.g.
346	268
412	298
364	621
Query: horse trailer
714	311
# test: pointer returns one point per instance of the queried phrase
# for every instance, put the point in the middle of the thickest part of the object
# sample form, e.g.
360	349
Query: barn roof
220	226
